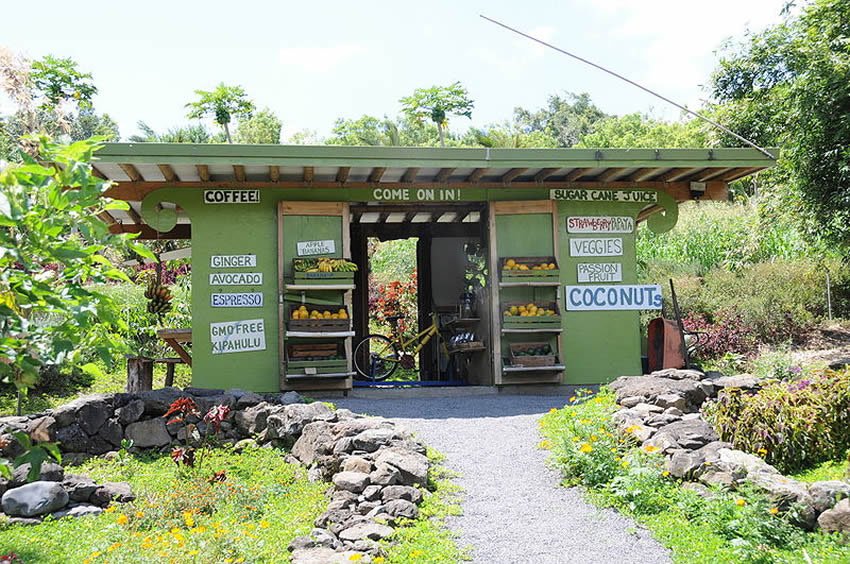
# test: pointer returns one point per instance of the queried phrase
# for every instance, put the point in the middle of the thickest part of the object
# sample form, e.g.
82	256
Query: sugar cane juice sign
600	224
310	248
238	336
583	195
613	298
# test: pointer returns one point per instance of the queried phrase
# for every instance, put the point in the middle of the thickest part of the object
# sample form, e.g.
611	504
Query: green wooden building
569	215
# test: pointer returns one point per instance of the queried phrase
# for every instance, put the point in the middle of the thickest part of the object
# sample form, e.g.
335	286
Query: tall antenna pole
633	83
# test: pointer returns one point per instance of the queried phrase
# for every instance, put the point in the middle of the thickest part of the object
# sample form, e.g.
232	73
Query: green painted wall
598	346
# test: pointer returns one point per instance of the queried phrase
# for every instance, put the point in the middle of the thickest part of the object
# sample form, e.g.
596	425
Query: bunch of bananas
324	265
160	298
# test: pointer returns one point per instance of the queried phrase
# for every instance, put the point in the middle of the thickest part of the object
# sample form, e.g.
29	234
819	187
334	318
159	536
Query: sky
313	62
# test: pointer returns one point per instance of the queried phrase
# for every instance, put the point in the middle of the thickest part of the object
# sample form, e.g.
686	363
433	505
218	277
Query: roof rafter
377	173
131	171
544	174
168	173
203	172
509	176
342	174
410	174
239	172
274	173
443	175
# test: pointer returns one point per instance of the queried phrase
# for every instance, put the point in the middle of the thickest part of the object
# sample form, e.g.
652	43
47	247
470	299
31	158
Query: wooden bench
140	372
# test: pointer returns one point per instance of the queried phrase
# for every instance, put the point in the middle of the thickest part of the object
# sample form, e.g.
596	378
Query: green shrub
794	425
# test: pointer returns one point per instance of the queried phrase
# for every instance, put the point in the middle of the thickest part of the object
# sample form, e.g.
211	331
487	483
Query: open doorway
419	266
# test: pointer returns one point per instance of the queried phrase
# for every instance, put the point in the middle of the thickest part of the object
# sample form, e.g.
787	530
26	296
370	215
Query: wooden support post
139	374
169	374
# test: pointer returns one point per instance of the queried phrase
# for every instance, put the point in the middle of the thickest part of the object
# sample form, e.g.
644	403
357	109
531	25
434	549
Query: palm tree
222	104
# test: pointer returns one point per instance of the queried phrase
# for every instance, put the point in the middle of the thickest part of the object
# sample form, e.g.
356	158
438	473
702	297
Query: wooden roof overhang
141	168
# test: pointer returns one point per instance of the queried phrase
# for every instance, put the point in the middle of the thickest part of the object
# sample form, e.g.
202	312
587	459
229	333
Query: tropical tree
508	135
263	127
789	86
223	103
567	119
437	104
196	133
53	251
642	131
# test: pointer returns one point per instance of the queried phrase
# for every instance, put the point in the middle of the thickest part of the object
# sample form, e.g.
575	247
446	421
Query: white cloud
320	59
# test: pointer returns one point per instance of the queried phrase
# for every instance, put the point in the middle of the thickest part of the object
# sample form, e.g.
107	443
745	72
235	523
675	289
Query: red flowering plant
395	298
184	410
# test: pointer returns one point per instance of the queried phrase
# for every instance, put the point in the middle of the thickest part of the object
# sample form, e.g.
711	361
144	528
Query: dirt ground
828	344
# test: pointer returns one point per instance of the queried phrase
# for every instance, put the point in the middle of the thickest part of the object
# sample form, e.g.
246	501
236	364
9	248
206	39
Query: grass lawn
829	470
250	517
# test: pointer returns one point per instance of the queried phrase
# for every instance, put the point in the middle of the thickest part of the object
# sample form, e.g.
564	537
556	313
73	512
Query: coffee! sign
231	196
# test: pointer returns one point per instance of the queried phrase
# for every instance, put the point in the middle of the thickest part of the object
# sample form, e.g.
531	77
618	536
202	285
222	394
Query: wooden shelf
462	322
530	331
331	376
468	350
552	284
314	287
515	369
320	334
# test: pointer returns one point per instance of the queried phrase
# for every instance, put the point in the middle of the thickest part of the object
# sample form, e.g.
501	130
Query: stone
365	507
35	498
373	492
663	441
201	392
81	510
826	494
718	478
158	401
661	420
671	400
385	475
351	481
245	444
148	433
316	441
401	508
632	401
252	420
412	466
291	422
92	414
49	472
371	440
356	464
325	555
131	412
72	438
679	374
42	430
741	381
301	543
208	402
112	432
64	415
79	488
290	398
26	521
698	489
323	537
782	490
673	411
690	434
112	491
408	493
836	519
373	531
651	387
684	464
248	399
645	409
740	464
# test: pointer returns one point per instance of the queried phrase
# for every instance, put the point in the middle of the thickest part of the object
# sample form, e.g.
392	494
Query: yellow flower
584	421
194	552
110	509
179	537
264	524
122	519
553	410
585	448
740	502
624	464
355	557
416	553
593	438
379	560
762	451
139	514
651	448
544	444
632	428
113	546
665	473
188	519
572	399
774	510
200	529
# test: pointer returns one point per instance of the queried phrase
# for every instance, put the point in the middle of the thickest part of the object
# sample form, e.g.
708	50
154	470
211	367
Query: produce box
323	270
303	318
512	317
315	358
529	269
532	354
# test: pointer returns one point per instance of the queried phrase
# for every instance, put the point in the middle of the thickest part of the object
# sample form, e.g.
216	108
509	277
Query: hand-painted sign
583	195
233	261
231	196
238	336
613	298
233	299
600	224
309	248
236	278
596	247
416	194
600	272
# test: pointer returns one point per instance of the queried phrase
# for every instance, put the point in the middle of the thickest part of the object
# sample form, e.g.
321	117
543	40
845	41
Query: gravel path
514	511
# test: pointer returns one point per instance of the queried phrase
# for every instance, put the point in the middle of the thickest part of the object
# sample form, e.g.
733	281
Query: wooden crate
321	277
319	325
316	358
537	360
529	275
531	322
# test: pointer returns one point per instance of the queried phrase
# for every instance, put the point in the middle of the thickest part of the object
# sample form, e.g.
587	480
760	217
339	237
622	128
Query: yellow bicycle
376	357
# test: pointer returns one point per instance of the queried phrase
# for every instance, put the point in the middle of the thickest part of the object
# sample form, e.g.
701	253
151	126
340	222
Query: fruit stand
280	286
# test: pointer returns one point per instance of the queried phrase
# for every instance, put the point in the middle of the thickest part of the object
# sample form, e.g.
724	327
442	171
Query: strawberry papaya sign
600	224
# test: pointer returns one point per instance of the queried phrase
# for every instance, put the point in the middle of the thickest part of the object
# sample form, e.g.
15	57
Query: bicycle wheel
376	358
